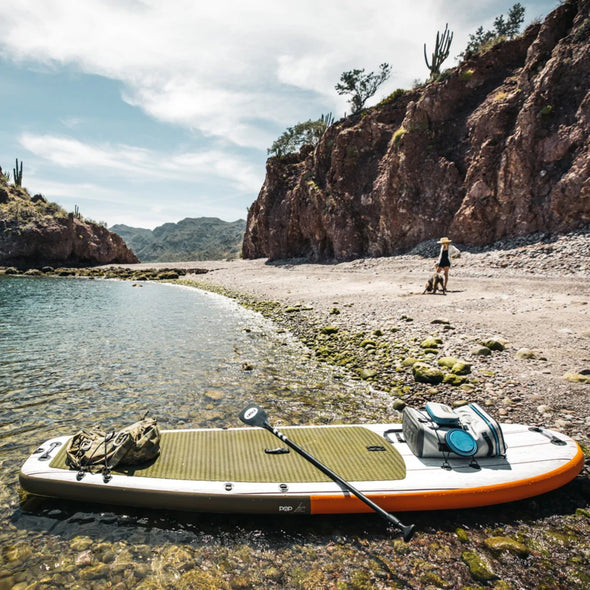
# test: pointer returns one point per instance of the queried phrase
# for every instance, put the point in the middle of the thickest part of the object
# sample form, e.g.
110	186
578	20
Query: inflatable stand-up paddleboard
437	458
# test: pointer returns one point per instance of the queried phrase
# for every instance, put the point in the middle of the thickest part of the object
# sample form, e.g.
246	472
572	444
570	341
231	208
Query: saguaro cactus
17	174
441	51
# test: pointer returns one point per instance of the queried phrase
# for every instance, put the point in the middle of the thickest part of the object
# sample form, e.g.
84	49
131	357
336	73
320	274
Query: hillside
203	238
35	233
497	147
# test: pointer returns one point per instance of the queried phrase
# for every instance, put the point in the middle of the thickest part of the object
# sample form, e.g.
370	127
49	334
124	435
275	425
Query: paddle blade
253	415
407	530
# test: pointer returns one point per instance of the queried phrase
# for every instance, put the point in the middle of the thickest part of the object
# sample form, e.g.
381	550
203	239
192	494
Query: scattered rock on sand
424	373
577	377
505	544
494	344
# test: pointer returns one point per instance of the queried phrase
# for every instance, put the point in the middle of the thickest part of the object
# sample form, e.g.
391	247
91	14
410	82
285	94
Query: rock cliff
499	147
34	233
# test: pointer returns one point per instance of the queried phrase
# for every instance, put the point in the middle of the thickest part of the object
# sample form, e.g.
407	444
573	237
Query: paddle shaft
408	530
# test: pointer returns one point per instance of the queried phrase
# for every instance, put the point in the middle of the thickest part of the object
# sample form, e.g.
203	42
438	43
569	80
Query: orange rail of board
452	499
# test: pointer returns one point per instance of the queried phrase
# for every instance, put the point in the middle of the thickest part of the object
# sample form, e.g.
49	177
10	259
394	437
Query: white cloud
138	208
235	73
71	122
144	165
221	66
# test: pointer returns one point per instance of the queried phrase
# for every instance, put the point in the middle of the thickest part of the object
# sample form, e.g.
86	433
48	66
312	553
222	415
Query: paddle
254	415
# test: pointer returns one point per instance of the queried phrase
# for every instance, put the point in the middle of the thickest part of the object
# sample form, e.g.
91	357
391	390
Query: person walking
444	259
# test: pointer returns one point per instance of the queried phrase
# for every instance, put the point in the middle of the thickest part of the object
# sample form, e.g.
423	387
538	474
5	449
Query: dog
434	283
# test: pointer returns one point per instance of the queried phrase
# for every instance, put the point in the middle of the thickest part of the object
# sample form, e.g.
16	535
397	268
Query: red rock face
497	149
63	241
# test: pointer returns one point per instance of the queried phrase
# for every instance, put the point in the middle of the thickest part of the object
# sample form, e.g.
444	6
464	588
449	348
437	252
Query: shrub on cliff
294	138
19	209
361	86
482	40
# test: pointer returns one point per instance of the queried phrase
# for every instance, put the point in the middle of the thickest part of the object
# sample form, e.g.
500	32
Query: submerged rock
368	373
478	568
16	553
506	544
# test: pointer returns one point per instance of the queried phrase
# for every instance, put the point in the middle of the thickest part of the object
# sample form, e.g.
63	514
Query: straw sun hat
444	241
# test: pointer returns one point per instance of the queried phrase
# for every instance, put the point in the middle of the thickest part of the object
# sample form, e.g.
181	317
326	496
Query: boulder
506	545
447	361
431	342
424	373
461	368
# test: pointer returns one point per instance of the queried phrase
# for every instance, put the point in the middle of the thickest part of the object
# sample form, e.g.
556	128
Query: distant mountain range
202	238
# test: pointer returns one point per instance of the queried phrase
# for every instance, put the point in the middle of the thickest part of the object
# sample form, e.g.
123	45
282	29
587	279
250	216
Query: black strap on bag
94	449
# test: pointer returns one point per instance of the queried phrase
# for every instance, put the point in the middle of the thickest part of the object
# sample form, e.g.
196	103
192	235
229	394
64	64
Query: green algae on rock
577	377
431	342
461	368
454	380
478	568
447	361
481	351
328	330
506	544
424	373
462	535
494	344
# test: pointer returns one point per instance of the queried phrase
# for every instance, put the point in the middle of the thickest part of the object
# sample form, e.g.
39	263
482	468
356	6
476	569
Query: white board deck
534	464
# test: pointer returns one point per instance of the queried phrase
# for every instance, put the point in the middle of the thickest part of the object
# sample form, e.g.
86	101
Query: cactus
327	120
441	51
17	174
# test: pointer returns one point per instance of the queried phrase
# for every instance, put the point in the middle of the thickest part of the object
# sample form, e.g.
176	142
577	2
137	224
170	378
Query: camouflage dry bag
132	445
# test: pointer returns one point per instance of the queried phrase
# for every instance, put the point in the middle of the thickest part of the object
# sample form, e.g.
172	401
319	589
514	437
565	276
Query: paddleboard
248	470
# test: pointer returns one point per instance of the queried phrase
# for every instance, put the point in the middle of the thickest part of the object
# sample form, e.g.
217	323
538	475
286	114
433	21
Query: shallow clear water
108	350
78	352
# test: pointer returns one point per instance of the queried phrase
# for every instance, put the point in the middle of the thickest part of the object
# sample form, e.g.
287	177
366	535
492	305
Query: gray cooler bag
440	431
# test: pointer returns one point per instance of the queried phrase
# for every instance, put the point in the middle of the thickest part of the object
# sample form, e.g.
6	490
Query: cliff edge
498	148
34	233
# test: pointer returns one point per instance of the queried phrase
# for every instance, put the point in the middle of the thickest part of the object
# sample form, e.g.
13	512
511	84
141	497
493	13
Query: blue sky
148	111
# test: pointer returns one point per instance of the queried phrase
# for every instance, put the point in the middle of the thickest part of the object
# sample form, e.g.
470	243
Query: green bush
467	74
393	96
546	110
481	41
399	133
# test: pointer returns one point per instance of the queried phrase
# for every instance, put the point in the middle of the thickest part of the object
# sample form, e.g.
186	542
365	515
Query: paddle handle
407	530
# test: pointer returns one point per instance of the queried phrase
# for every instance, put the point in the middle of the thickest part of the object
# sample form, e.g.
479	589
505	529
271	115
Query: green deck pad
239	456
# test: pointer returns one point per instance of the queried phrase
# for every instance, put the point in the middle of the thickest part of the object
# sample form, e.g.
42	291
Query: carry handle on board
254	415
